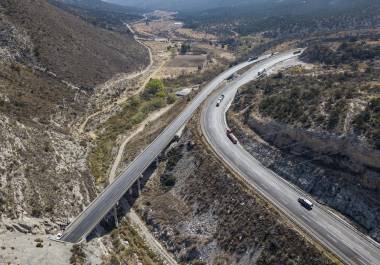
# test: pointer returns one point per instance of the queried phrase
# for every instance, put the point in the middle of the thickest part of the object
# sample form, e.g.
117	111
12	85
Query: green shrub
168	180
171	98
156	103
153	88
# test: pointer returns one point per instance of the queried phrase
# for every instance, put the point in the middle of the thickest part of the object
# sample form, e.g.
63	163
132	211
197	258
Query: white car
59	236
220	99
306	203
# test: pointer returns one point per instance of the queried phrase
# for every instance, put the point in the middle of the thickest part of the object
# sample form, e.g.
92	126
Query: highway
351	246
97	209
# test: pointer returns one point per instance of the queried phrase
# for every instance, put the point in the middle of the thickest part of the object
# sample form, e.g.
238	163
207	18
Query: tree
185	48
153	88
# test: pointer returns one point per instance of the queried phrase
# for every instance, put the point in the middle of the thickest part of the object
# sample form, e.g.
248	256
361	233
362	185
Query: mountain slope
43	169
183	5
72	49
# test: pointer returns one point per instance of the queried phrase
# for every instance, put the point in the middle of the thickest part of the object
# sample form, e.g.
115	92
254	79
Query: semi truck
231	136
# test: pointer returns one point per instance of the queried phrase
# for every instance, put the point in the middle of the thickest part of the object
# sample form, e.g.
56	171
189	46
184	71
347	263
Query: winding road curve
351	246
98	208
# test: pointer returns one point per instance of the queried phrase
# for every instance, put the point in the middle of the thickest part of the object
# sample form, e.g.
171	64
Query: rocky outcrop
42	173
340	153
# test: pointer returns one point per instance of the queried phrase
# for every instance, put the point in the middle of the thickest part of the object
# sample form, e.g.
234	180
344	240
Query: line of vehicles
303	201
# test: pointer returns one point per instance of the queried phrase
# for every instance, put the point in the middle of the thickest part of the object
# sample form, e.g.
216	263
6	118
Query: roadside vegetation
154	97
348	52
341	97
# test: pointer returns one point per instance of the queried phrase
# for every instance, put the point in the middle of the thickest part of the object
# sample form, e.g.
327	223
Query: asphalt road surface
342	239
95	212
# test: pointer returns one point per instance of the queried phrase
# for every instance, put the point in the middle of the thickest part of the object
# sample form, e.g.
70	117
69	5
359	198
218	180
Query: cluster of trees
185	48
317	102
346	53
287	18
368	122
156	91
100	13
155	96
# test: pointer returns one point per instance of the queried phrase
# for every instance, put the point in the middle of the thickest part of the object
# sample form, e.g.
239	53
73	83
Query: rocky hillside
72	49
49	61
321	126
100	13
204	215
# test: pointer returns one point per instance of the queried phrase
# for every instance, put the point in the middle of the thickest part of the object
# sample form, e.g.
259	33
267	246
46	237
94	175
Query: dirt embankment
203	215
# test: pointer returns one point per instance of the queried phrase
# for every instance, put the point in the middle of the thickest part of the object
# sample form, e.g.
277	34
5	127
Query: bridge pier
115	216
139	184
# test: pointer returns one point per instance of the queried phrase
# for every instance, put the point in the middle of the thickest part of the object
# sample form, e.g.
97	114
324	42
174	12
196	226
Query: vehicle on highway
232	137
220	99
230	77
250	59
58	236
262	73
305	203
296	52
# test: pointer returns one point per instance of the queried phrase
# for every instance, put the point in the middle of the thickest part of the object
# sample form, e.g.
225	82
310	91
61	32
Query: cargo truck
232	137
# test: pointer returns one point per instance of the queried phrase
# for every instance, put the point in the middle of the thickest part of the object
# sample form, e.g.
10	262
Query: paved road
96	211
346	242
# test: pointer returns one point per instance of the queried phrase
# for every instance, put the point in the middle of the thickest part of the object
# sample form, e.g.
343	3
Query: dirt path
150	239
121	100
134	218
154	116
112	83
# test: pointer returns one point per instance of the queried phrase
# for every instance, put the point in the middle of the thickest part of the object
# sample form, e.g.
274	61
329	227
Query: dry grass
187	61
